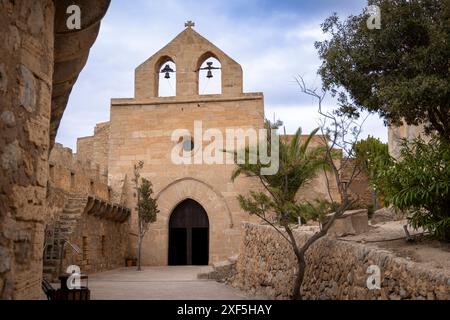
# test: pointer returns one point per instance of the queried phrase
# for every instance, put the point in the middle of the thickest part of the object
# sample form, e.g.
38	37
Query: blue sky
272	40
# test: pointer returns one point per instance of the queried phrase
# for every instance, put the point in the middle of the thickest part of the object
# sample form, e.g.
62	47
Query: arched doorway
188	235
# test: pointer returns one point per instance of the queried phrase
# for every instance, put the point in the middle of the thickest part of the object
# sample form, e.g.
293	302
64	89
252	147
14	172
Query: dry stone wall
336	270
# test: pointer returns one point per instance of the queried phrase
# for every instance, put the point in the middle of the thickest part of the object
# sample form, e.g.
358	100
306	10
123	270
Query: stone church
200	219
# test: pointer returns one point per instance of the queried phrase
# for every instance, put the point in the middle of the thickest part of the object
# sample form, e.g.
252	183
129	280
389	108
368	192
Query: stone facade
141	129
39	66
336	269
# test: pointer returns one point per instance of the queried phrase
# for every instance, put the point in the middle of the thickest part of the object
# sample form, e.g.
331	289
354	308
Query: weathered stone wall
26	70
75	177
95	149
336	270
397	134
360	188
40	62
104	243
85	145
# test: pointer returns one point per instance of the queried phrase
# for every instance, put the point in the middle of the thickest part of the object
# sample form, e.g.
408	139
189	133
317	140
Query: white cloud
308	118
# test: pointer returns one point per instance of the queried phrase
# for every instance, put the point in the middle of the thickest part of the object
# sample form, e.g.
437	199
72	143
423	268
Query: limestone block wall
95	149
72	176
142	131
336	270
360	187
85	145
39	66
104	245
188	51
396	134
26	70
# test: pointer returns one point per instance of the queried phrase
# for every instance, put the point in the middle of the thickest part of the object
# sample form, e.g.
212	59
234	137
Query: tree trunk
299	277
139	252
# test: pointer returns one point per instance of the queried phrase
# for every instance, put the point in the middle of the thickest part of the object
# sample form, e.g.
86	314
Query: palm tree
276	204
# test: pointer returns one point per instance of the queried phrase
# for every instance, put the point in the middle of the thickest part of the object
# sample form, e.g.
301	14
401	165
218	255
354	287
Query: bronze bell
209	67
167	69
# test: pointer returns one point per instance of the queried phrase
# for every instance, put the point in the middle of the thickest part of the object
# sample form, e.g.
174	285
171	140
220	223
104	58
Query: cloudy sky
273	40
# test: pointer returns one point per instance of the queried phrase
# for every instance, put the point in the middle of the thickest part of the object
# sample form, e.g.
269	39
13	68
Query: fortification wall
94	150
26	70
76	177
104	243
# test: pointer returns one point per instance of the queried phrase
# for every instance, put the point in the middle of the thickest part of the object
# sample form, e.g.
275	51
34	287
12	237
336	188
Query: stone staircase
60	232
220	271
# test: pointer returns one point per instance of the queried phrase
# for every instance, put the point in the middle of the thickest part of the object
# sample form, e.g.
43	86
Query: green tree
277	204
401	71
147	207
420	183
372	155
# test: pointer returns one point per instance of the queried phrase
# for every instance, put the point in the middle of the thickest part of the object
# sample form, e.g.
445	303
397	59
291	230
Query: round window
188	144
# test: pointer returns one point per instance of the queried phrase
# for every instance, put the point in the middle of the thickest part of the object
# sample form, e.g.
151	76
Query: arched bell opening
166	76
209	75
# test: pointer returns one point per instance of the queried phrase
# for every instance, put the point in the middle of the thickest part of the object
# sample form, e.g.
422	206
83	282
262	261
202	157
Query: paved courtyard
159	283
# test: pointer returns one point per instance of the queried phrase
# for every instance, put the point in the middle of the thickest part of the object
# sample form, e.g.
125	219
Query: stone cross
189	24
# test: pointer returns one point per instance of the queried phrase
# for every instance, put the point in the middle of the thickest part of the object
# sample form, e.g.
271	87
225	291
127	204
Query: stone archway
189	235
223	236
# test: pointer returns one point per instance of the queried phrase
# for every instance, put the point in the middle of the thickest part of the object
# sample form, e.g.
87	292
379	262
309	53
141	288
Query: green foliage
372	155
317	210
420	183
147	206
299	164
401	71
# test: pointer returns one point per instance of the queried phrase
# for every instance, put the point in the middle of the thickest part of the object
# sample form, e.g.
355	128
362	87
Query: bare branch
274	226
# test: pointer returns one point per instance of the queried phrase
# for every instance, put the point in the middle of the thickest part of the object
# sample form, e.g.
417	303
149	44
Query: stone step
75	213
73	209
67	224
49	268
77	199
52	262
220	271
66	231
70	218
75	204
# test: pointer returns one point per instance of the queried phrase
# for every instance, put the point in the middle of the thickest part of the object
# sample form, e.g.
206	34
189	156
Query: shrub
420	183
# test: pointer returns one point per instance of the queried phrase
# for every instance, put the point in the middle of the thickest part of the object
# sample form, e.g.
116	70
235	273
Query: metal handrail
74	247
